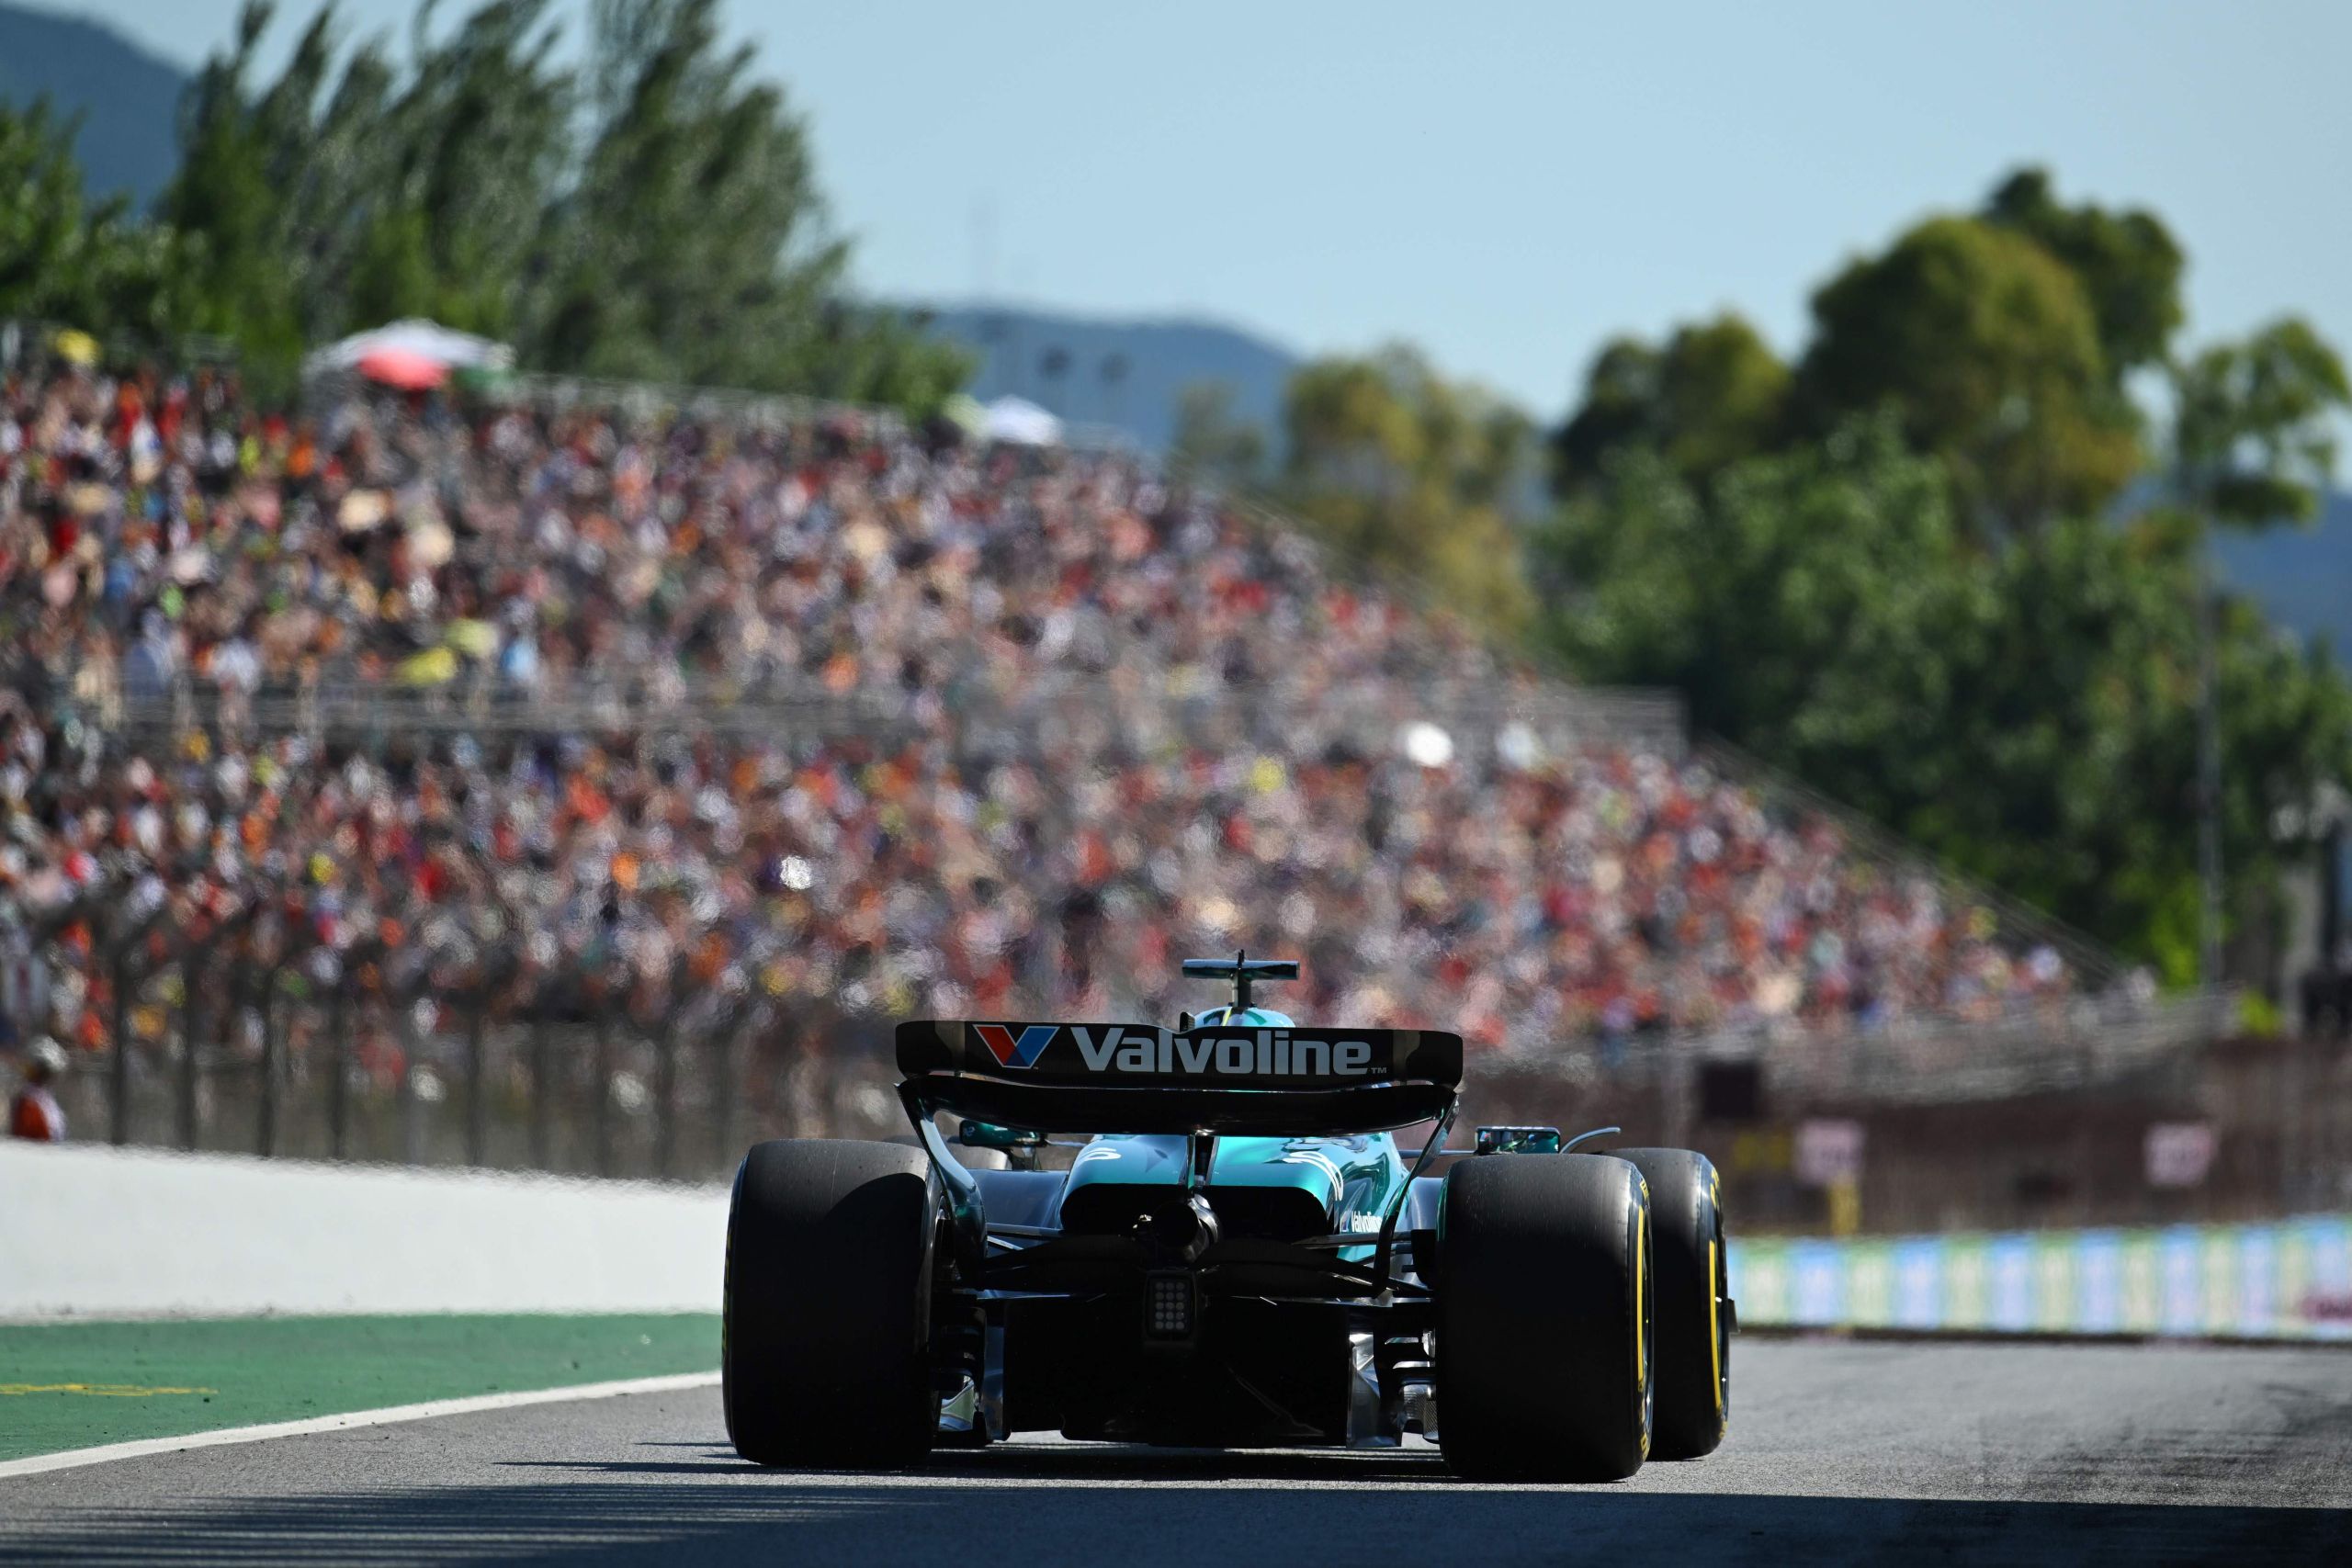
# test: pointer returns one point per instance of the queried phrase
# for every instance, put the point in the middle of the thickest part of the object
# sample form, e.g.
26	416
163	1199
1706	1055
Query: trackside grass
80	1384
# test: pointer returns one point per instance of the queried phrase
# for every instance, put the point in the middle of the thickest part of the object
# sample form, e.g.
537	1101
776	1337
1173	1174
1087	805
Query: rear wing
1134	1078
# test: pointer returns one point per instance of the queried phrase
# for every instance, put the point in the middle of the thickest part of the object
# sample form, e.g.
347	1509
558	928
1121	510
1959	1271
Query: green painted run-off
53	1376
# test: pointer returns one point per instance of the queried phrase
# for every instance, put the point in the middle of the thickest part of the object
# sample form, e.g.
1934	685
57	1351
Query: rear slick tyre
1543	1318
825	1337
1693	1333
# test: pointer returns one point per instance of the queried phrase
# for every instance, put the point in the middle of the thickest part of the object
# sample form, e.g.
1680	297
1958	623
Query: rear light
1168	1306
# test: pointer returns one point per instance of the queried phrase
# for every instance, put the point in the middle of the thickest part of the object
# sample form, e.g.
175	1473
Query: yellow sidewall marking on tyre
1641	1339
1641	1326
1715	1328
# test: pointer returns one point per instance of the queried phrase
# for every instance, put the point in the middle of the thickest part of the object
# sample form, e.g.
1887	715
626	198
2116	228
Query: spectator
1041	724
34	1114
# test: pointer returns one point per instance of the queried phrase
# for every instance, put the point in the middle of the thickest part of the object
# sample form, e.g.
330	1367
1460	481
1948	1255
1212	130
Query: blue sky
1510	182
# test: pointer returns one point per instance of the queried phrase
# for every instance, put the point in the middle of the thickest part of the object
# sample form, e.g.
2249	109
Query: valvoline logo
1016	1051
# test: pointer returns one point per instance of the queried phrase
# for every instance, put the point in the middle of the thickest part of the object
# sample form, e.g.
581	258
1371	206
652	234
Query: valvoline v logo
1016	1051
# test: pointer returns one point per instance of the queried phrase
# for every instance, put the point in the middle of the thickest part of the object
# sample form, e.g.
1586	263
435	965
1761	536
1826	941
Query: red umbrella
404	368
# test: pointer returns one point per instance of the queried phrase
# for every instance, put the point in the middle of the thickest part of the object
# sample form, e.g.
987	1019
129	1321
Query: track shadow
1025	1464
1134	1515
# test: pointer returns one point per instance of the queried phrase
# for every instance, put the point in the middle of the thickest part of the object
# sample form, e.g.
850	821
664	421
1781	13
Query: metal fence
2086	1041
2269	1121
234	1030
231	1030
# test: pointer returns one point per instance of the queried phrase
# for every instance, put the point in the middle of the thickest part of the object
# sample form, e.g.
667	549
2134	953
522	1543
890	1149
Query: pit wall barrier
2287	1279
94	1231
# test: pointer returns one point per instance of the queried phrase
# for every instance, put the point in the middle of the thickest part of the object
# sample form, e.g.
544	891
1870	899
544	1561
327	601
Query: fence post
477	1112
603	1089
665	1088
248	986
338	1061
266	1133
2293	1120
724	1043
191	1015
118	1069
540	1062
411	1044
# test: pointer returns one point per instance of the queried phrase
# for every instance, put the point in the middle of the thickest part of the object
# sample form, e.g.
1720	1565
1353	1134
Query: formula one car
1241	1256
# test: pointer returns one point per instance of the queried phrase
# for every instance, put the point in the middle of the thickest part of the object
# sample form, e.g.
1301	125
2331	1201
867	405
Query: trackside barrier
100	1232
2289	1279
94	1231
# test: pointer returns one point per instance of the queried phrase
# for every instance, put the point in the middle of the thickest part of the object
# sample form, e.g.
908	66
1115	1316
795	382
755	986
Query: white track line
74	1458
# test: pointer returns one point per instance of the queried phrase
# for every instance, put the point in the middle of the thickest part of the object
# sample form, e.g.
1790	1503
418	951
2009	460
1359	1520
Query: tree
2252	433
482	148
694	247
1902	579
1714	394
2252	446
1987	349
1213	441
1412	475
1830	568
241	179
67	262
2024	708
322	201
649	212
2128	264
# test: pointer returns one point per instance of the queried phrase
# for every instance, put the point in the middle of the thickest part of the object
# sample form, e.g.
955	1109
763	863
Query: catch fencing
232	1027
234	1030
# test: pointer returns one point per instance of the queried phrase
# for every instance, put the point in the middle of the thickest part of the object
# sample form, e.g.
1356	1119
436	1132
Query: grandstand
661	746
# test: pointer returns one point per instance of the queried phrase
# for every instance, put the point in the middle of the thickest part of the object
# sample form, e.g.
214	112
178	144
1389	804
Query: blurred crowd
836	708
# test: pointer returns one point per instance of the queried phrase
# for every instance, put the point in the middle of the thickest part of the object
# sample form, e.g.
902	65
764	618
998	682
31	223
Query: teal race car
1240	1255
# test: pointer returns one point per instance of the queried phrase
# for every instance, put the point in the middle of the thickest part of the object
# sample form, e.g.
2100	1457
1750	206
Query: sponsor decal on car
1257	1052
1214	1054
1016	1051
1129	1050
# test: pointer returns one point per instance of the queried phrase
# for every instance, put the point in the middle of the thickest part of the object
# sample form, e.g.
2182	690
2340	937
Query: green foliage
2001	342
2260	1017
2254	435
2025	710
1212	441
1986	347
2128	264
649	211
1714	394
1820	571
66	262
1410	475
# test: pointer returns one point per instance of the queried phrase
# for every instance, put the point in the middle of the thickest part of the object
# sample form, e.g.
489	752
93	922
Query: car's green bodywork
1354	1177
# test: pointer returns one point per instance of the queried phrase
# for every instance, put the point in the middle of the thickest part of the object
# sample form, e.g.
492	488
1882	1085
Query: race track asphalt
1840	1452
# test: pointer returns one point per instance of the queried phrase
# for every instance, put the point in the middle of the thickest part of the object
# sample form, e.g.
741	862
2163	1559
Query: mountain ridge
1126	371
128	98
